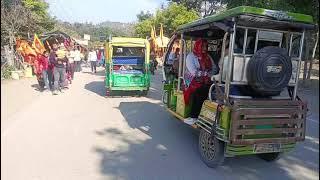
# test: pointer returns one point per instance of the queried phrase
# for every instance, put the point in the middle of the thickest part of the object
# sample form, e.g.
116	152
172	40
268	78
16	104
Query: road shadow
154	92
98	73
96	87
156	145
36	87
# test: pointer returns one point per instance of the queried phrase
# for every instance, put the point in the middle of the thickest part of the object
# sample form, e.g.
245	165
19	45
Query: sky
97	11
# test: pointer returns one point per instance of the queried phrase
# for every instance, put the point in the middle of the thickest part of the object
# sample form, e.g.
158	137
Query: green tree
171	17
189	4
144	15
203	7
142	29
39	13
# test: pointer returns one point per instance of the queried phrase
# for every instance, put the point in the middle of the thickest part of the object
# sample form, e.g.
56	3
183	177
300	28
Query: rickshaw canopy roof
129	42
253	11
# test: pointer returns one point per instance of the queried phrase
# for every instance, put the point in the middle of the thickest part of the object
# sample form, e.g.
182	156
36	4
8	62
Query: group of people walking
55	69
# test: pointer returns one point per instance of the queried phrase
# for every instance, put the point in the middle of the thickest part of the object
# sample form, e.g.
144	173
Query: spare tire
269	71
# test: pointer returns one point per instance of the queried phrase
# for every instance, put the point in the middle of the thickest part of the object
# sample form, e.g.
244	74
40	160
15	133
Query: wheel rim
207	146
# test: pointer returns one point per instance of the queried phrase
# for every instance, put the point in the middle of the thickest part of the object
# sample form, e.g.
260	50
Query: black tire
211	149
269	71
145	93
108	93
269	157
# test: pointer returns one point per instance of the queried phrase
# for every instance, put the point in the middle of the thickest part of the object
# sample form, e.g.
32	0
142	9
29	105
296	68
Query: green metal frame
279	15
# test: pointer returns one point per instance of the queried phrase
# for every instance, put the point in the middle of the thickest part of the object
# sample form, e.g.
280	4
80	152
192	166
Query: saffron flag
161	34
152	33
37	45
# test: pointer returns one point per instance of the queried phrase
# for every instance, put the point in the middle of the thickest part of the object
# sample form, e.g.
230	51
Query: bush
6	71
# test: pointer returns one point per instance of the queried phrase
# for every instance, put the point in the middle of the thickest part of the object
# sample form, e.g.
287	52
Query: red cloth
40	64
205	66
99	55
37	68
44	62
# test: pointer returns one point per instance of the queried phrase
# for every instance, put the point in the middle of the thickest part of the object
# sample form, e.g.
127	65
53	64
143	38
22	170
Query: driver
200	67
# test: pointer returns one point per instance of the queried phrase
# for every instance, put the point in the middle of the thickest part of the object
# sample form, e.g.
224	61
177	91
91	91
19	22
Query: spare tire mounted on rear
269	71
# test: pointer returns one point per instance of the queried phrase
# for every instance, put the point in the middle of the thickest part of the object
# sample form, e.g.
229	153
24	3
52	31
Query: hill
95	31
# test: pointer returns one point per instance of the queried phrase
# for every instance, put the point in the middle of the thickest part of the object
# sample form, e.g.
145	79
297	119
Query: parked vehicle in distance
127	65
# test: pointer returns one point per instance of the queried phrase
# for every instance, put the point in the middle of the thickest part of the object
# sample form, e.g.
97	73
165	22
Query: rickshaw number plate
264	148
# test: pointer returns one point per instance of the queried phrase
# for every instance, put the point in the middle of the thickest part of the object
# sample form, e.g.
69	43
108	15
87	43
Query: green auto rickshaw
127	65
267	118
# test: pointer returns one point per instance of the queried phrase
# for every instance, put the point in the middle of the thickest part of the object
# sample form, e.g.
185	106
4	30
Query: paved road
80	135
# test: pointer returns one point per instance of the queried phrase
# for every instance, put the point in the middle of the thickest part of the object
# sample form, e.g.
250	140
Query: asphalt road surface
81	135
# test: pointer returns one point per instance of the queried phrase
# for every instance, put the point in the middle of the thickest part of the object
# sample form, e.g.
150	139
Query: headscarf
204	60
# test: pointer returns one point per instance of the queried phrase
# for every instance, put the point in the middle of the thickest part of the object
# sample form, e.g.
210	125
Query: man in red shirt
43	68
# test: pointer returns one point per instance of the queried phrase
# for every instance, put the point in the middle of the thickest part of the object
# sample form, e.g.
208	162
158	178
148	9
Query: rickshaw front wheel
269	156
145	93
108	92
211	149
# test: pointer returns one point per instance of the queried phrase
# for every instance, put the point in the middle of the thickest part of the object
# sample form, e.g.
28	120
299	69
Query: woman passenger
200	68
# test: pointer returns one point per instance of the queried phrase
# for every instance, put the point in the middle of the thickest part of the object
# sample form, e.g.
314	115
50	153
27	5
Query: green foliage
142	29
143	16
6	71
310	7
176	15
171	17
39	11
189	4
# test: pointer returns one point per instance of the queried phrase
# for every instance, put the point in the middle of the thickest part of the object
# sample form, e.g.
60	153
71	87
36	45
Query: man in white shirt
77	59
70	56
92	57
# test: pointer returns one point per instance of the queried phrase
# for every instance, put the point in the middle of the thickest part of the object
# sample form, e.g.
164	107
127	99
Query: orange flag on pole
155	32
152	33
161	34
37	45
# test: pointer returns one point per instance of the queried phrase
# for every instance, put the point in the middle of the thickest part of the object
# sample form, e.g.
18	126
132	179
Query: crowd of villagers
53	63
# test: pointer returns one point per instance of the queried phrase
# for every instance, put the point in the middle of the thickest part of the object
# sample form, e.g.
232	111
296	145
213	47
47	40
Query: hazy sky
101	10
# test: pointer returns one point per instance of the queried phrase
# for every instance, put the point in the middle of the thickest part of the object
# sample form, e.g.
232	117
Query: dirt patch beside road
16	95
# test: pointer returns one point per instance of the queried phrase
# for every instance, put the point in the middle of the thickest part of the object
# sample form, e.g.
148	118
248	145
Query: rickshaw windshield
119	51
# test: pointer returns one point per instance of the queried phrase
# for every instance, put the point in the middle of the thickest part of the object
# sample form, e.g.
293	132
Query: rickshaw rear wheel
269	156
211	149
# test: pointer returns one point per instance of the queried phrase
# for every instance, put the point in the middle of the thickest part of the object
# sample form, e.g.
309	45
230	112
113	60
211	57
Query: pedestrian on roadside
92	57
77	59
44	63
52	56
103	57
59	71
37	69
71	65
99	57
